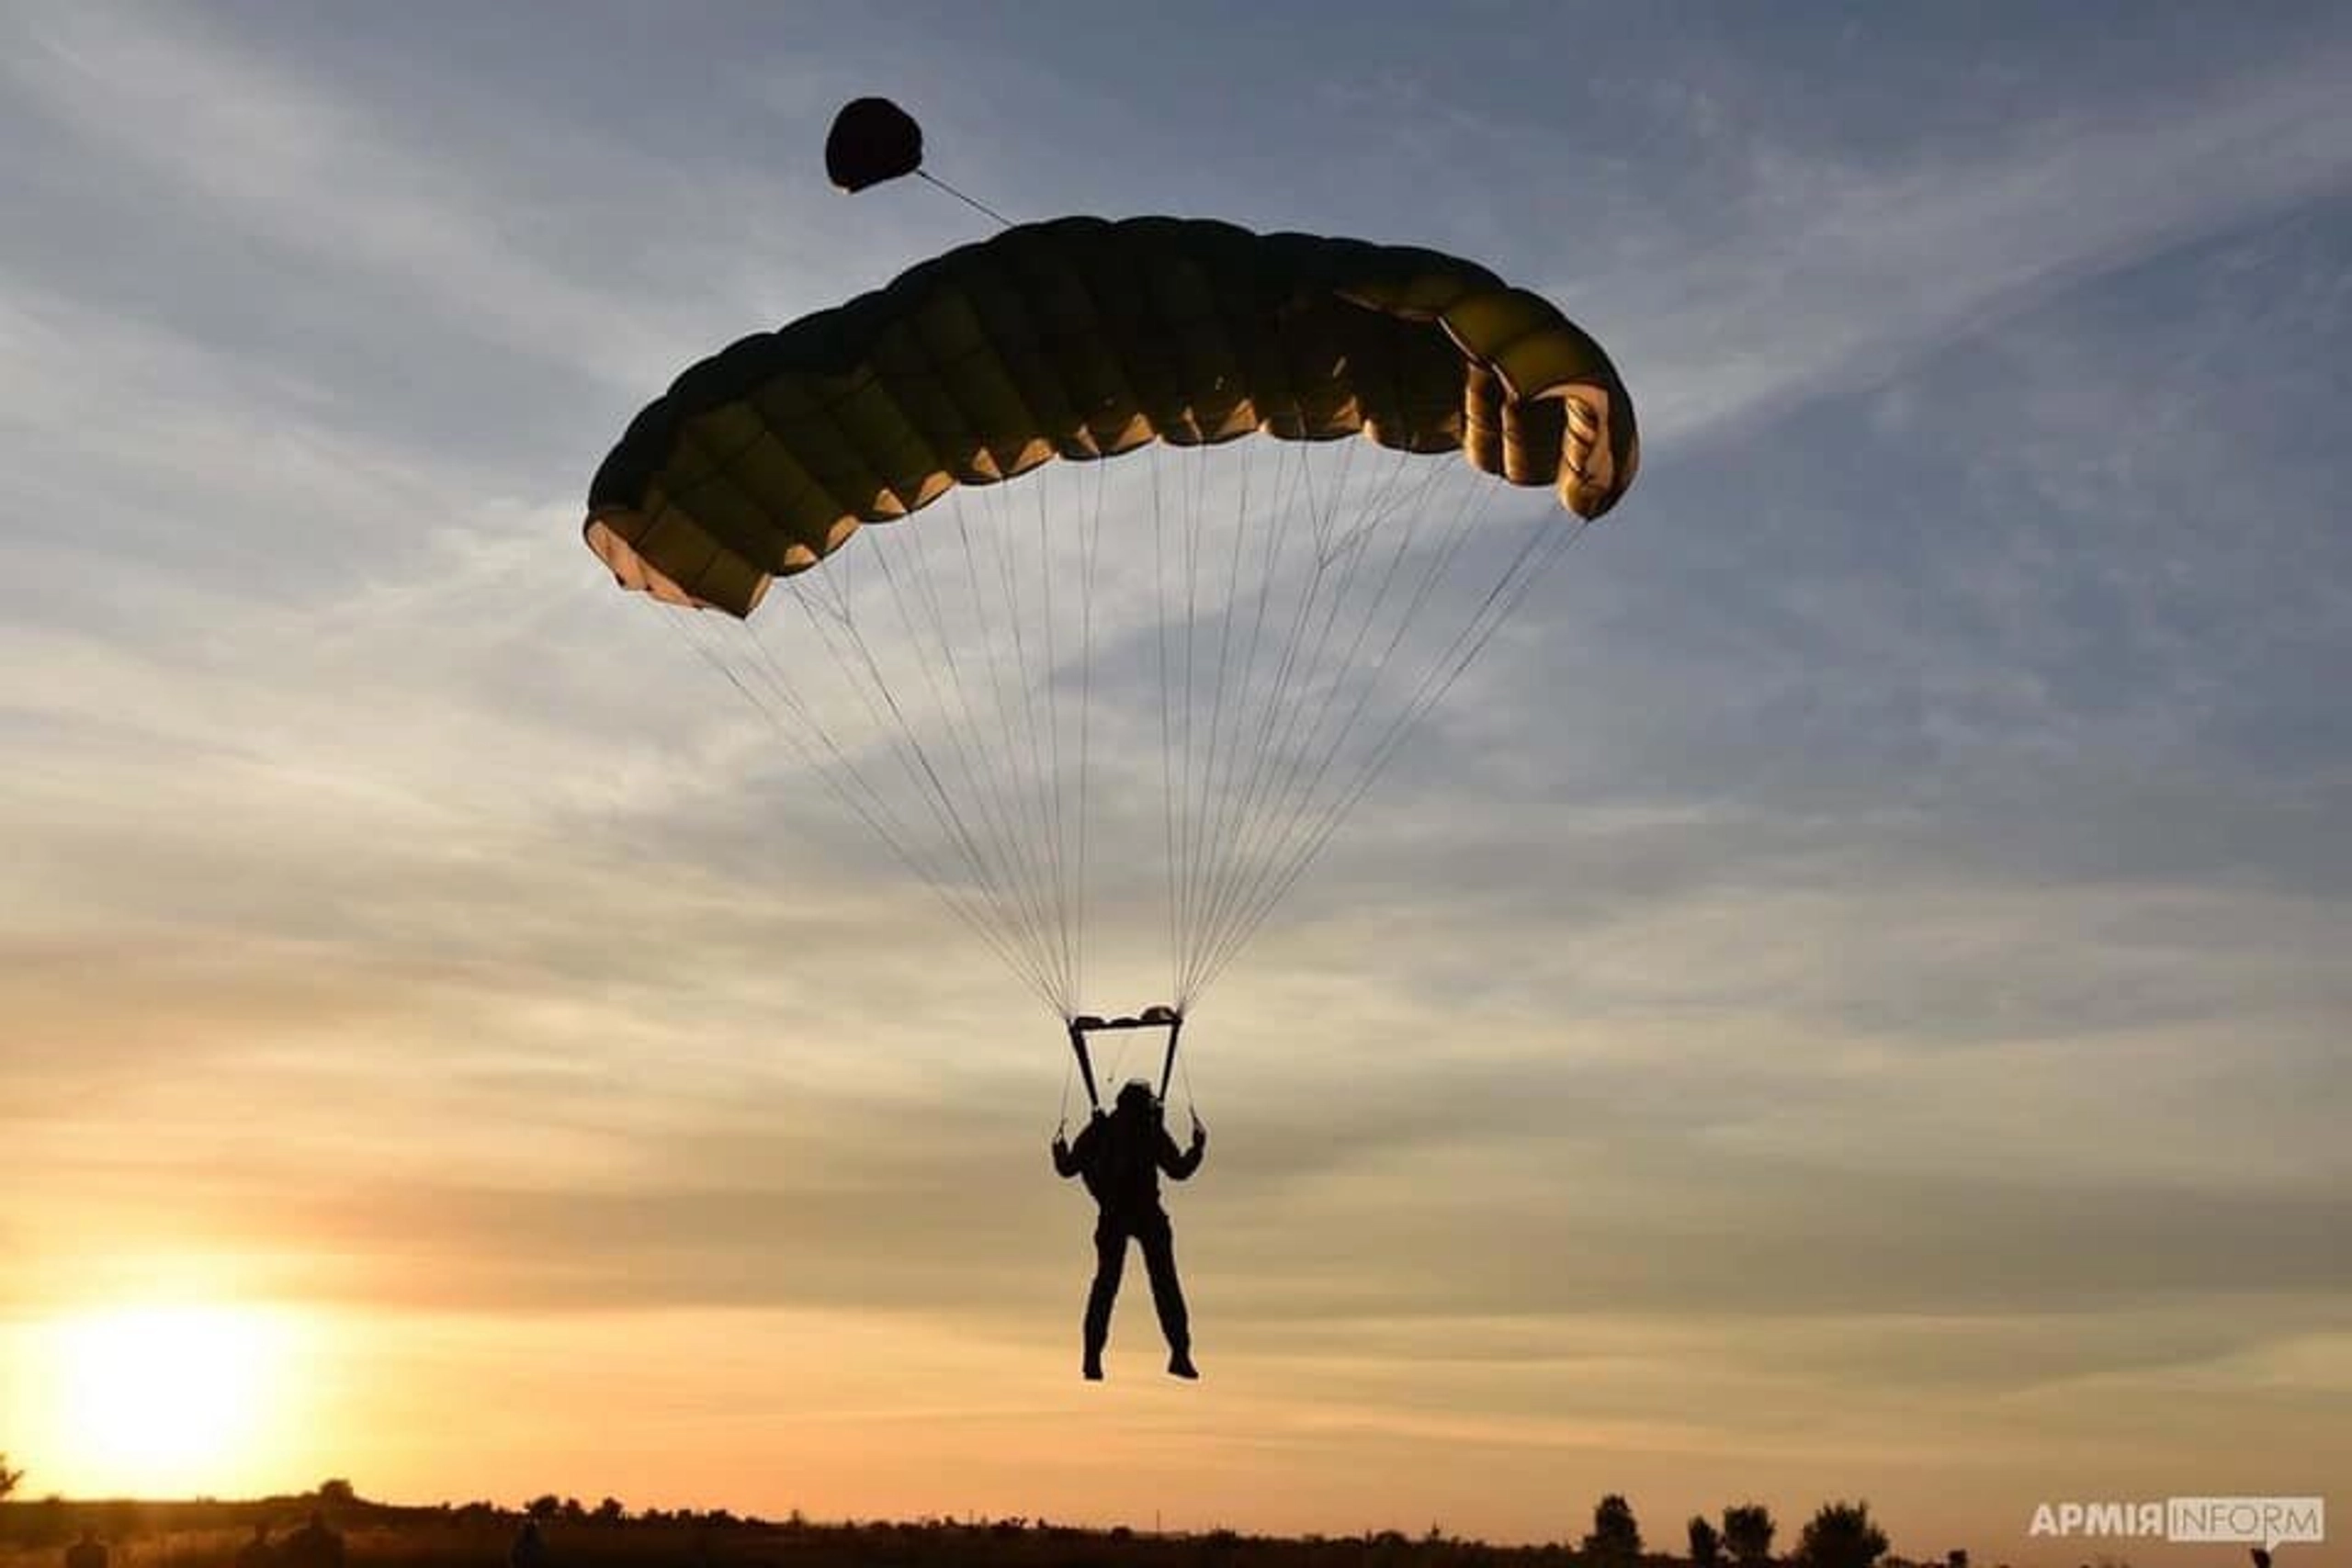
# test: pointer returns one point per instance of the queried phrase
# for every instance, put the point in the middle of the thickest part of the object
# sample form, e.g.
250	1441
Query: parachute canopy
1241	630
1081	339
873	140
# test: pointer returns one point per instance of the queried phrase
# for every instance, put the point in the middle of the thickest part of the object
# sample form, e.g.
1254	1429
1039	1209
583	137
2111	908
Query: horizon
1845	999
338	1506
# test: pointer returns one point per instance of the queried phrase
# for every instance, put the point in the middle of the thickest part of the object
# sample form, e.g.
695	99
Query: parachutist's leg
1159	1240
1110	1262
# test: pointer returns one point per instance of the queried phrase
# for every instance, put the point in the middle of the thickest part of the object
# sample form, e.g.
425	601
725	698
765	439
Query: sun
163	1400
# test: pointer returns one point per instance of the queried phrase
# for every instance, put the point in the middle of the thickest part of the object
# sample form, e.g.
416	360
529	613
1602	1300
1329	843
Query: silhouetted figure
312	1545
531	1547
88	1553
1121	1156
260	1552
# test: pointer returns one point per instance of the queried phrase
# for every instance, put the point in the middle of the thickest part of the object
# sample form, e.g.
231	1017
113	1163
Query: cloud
1828	270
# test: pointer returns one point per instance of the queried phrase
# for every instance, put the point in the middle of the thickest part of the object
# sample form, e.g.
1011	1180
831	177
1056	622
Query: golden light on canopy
1080	339
1306	615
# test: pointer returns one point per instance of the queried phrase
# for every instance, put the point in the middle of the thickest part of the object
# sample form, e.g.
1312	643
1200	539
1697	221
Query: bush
1842	1534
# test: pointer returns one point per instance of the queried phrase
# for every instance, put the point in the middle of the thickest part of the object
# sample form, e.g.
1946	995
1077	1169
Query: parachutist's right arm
1070	1158
1181	1164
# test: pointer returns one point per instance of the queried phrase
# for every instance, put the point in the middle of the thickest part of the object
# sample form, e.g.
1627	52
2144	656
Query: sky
1849	1000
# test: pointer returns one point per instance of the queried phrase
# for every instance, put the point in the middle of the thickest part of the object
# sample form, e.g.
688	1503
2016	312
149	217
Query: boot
1091	1368
1179	1365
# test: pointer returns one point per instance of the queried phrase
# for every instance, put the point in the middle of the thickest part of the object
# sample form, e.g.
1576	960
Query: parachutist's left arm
1180	1165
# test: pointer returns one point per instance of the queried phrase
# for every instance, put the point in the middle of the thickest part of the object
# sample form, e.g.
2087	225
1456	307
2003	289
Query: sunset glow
159	1401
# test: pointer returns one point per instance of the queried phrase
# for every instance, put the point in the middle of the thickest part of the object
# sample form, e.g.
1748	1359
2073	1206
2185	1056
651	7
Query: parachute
1296	552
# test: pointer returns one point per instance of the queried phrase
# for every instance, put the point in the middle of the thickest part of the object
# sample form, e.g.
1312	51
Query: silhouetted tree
1958	1558
1706	1543
546	1506
335	1489
1841	1535
1749	1530
610	1512
9	1479
1616	1538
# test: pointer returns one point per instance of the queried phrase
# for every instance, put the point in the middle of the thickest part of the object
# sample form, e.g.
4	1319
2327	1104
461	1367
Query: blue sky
1849	998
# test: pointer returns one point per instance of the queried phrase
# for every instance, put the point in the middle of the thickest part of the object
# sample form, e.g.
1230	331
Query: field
209	1534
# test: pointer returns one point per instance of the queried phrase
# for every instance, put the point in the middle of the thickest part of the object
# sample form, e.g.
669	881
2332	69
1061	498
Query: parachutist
1121	1156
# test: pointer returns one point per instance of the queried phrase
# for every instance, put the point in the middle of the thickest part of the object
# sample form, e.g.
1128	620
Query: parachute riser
1164	1017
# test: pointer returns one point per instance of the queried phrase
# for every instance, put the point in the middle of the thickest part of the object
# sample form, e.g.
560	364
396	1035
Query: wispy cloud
1822	273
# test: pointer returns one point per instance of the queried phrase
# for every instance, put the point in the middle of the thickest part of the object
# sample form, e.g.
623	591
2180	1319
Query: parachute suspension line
998	881
865	802
1044	793
1294	654
1292	799
1180	807
974	205
995	764
963	754
1019	717
1018	831
922	775
1208	834
1090	551
1062	900
1543	550
1206	700
994	747
873	809
1306	655
921	770
1226	799
1278	702
1167	725
1206	814
1189	483
993	789
1296	795
868	800
1302	736
1213	796
1316	619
